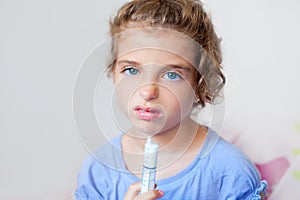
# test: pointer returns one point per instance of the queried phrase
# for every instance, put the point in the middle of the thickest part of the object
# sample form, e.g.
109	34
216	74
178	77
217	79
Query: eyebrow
174	66
180	66
128	62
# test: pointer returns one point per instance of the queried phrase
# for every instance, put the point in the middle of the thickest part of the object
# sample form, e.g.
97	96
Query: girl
166	61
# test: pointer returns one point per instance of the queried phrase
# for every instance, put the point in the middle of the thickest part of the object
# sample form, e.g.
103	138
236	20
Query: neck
175	139
185	139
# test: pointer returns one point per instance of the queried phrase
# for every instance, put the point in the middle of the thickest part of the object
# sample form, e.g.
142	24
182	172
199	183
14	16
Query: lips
146	113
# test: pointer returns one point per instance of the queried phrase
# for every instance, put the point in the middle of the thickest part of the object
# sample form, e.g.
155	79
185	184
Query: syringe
149	167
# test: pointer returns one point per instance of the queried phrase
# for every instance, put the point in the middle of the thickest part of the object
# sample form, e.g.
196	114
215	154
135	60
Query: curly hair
187	17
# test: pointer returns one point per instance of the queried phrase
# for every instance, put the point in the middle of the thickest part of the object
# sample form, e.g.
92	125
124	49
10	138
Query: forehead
163	42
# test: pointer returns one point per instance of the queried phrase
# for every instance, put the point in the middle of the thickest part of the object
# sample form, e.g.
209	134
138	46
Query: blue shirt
220	171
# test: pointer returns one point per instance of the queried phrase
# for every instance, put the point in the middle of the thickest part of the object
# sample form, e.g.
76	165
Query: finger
133	191
151	195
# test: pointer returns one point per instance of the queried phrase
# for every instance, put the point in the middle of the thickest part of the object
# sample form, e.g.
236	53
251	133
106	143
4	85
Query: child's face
155	79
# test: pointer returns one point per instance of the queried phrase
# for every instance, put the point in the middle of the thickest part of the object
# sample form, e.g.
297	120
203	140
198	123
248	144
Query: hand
133	193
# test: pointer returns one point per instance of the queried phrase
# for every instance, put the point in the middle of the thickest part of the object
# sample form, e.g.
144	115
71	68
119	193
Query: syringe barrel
149	166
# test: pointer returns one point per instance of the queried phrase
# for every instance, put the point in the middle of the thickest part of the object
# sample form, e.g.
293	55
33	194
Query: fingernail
155	185
161	192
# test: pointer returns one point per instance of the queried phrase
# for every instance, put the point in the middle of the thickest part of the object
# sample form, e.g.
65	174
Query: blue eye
130	71
172	76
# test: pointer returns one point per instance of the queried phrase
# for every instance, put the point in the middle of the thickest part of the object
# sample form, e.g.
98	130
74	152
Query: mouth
147	113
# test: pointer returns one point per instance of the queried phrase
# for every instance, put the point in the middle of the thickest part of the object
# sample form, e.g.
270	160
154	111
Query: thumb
133	191
151	195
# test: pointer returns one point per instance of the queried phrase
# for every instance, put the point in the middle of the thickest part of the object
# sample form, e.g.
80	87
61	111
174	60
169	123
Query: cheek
186	101
179	100
125	90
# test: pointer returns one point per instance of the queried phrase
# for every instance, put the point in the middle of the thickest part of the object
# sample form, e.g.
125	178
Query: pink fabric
273	171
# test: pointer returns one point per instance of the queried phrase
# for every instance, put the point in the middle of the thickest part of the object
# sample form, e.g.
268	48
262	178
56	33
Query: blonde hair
187	17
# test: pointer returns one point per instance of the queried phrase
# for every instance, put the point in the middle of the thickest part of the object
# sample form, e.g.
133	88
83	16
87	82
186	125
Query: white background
44	43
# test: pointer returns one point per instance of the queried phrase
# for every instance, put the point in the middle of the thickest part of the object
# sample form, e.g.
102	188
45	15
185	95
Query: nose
149	91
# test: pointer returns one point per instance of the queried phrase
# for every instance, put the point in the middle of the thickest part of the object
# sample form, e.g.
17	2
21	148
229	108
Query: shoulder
108	156
229	157
97	170
234	173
